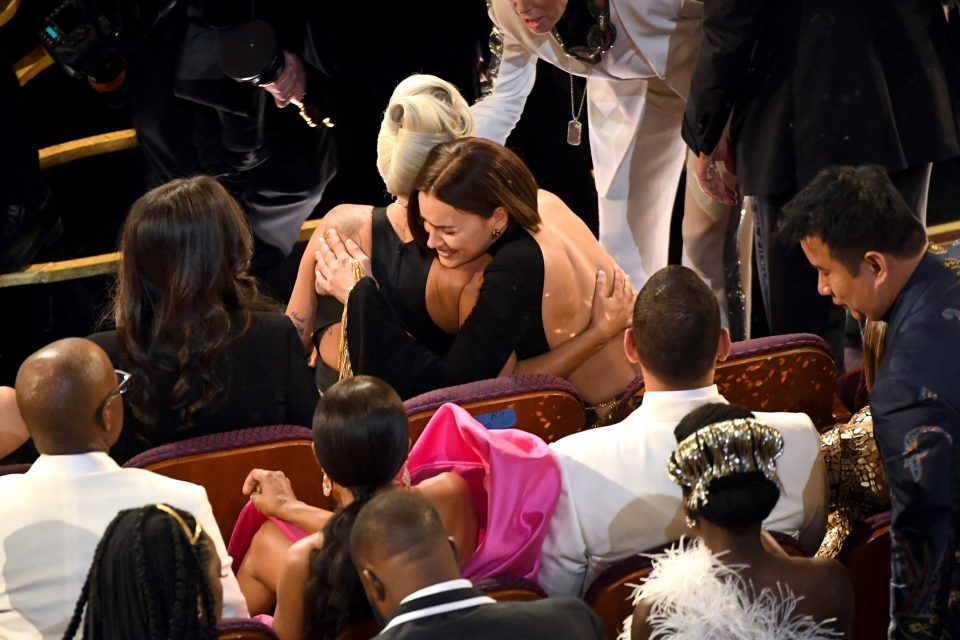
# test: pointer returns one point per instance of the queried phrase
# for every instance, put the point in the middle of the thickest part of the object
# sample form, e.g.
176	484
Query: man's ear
111	417
372	584
723	345
630	346
878	266
455	548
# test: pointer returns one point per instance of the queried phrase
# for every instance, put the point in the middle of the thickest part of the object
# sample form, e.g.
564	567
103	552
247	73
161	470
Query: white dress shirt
617	499
51	520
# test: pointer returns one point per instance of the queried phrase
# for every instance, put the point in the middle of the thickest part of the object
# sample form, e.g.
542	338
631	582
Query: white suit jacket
655	38
51	519
617	499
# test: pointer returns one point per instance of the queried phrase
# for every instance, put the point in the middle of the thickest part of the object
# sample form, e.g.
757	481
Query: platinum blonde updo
423	112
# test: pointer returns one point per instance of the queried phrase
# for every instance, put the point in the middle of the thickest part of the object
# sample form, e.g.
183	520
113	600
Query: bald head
399	546
60	389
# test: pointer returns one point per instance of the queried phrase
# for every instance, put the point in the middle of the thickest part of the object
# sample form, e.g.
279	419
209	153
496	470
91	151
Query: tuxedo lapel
438	603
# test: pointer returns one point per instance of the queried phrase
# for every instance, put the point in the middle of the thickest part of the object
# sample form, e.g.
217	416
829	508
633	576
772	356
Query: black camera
87	37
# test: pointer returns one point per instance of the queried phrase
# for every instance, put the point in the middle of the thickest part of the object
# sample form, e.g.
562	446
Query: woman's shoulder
445	487
349	219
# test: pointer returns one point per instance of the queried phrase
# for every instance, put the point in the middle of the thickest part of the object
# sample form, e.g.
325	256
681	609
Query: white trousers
638	156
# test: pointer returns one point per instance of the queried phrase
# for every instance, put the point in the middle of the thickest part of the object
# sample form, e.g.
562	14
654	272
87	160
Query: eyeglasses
123	381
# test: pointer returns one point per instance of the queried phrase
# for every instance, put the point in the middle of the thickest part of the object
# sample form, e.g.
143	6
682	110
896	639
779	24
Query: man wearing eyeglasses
636	59
52	517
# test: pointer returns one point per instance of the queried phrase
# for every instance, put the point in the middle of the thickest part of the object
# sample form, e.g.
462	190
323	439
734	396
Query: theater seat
362	631
511	589
244	629
8	469
609	594
794	372
220	463
866	555
544	405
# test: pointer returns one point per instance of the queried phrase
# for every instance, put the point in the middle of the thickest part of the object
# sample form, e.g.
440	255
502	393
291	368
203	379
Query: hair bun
424	111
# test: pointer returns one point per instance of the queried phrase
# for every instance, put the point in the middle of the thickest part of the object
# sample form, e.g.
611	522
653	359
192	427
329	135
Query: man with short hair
871	256
617	499
52	517
408	567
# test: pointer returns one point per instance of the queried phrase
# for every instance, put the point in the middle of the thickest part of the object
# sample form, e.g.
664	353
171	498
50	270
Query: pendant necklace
600	37
574	127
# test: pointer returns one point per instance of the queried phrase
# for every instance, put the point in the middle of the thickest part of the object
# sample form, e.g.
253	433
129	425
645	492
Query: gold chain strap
344	357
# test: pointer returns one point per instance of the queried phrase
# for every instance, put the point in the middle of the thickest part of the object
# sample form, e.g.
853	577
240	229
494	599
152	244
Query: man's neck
901	270
652	382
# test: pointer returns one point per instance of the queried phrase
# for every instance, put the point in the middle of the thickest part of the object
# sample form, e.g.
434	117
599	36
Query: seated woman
423	112
206	352
540	305
361	440
858	483
732	583
155	574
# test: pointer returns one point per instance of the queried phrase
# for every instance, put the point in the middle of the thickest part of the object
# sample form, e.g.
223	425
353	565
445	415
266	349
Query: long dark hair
183	293
360	435
475	176
148	580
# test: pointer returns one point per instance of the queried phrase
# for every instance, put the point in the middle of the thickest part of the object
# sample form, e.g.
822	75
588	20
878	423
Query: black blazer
267	382
547	619
814	83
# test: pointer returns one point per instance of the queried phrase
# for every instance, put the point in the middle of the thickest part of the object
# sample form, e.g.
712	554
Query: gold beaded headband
722	449
192	536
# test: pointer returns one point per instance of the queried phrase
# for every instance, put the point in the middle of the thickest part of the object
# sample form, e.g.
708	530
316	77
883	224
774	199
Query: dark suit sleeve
510	296
730	29
916	433
301	390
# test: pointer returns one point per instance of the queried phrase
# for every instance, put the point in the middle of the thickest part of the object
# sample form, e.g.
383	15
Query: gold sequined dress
858	484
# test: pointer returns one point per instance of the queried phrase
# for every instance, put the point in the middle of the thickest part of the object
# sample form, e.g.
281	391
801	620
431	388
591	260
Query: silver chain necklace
574	127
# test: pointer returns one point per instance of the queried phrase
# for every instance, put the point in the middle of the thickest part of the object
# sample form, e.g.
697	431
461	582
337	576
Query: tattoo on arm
298	322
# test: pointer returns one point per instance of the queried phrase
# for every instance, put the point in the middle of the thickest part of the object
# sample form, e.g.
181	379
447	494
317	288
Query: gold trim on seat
87	147
31	64
8	11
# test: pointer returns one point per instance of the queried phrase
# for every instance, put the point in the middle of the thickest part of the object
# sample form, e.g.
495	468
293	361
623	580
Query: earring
496	233
327	485
405	477
691	522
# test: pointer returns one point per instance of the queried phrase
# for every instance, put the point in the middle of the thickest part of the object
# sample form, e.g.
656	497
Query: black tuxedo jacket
547	619
814	83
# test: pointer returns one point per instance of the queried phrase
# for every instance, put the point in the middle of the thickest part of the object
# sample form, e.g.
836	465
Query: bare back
571	258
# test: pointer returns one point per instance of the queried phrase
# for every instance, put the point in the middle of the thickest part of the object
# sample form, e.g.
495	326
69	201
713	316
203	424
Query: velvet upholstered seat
794	372
540	404
220	463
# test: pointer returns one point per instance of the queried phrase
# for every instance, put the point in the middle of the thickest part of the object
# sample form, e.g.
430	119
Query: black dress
266	377
386	339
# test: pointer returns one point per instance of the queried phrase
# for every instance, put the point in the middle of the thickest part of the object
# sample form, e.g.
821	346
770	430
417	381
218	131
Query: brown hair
475	176
874	345
182	294
676	326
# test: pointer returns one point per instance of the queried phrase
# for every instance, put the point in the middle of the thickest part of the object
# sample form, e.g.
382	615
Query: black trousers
791	300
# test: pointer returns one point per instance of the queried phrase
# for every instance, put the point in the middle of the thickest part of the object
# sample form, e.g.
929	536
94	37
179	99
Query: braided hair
360	435
148	580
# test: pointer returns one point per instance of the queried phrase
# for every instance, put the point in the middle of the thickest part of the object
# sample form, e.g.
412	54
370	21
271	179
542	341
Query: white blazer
655	38
618	500
51	519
